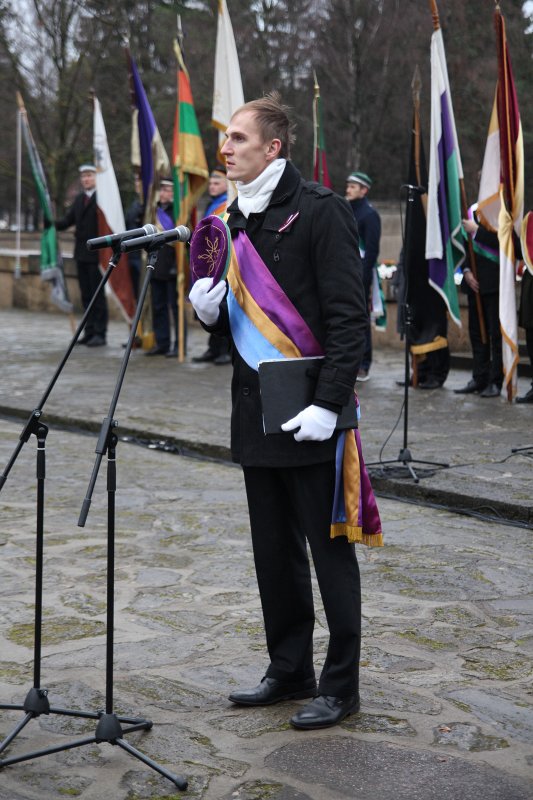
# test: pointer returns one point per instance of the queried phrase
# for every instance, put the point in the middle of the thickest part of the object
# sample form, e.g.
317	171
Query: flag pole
471	257
19	185
180	260
316	165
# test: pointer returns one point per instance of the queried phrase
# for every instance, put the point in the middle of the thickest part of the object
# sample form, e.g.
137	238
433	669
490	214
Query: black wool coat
316	262
83	216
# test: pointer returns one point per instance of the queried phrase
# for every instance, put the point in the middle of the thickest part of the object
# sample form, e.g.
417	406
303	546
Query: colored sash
164	219
265	324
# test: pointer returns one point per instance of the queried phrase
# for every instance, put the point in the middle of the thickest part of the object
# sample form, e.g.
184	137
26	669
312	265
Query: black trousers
164	306
288	506
487	358
89	276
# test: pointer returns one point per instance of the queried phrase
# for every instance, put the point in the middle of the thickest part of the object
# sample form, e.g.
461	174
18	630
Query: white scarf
255	196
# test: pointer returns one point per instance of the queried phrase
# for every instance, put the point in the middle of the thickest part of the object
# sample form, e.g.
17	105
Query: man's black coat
316	262
83	216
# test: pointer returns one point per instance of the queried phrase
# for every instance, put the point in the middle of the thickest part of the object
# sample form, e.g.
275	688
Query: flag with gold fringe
189	164
501	195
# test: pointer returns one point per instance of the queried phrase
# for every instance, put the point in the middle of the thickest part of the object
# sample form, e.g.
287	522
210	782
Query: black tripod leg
180	782
15	732
46	752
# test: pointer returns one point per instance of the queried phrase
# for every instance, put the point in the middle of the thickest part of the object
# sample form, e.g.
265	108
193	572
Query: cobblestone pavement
448	607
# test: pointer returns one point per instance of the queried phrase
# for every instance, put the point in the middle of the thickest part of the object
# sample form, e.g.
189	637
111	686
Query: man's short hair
273	120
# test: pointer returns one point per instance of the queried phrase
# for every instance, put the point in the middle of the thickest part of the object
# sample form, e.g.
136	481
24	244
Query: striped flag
445	250
320	166
227	94
501	195
148	153
110	216
189	164
51	260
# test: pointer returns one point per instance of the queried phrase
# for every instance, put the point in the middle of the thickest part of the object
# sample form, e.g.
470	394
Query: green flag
51	261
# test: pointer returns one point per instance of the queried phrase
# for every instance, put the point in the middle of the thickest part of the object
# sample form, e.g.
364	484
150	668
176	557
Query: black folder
288	385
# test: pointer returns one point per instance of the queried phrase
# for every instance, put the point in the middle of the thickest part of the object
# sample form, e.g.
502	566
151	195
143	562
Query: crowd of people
301	283
481	287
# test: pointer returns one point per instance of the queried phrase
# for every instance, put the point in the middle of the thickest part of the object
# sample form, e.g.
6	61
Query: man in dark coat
82	214
487	365
164	281
307	239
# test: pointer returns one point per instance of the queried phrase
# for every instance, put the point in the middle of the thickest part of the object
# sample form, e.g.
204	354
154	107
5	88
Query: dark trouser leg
338	578
160	312
480	351
89	276
287	506
491	310
283	575
529	346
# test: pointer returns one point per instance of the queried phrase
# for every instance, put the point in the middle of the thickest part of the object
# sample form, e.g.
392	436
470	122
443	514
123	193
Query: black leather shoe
471	387
172	353
96	341
431	383
157	351
84	339
526	398
325	711
224	358
272	691
207	356
490	391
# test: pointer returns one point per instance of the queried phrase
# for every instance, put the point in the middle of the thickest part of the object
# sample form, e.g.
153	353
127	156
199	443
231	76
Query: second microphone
156	240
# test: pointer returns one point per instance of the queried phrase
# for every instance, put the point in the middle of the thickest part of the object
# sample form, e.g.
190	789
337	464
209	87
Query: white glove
206	301
316	424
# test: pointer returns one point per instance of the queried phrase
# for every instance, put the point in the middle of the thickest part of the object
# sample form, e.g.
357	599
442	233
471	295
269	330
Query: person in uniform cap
82	214
368	220
218	347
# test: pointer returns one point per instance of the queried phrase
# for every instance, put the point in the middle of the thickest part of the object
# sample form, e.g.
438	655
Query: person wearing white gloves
299	240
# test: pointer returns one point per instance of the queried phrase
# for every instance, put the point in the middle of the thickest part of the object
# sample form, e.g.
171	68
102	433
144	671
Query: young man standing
295	288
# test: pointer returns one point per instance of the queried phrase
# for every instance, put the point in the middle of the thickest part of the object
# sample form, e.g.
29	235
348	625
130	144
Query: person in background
369	228
487	365
218	347
525	320
164	280
82	214
134	219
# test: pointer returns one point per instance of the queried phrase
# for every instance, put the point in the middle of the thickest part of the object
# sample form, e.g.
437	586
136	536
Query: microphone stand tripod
36	701
405	459
109	728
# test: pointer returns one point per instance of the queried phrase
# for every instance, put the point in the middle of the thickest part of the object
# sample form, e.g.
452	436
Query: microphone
114	239
155	240
411	188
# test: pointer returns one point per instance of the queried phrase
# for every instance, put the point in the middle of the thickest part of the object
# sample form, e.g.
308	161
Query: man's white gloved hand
206	303
316	424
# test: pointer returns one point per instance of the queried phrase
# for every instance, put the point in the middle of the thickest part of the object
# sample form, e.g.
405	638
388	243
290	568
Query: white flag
110	216
227	93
